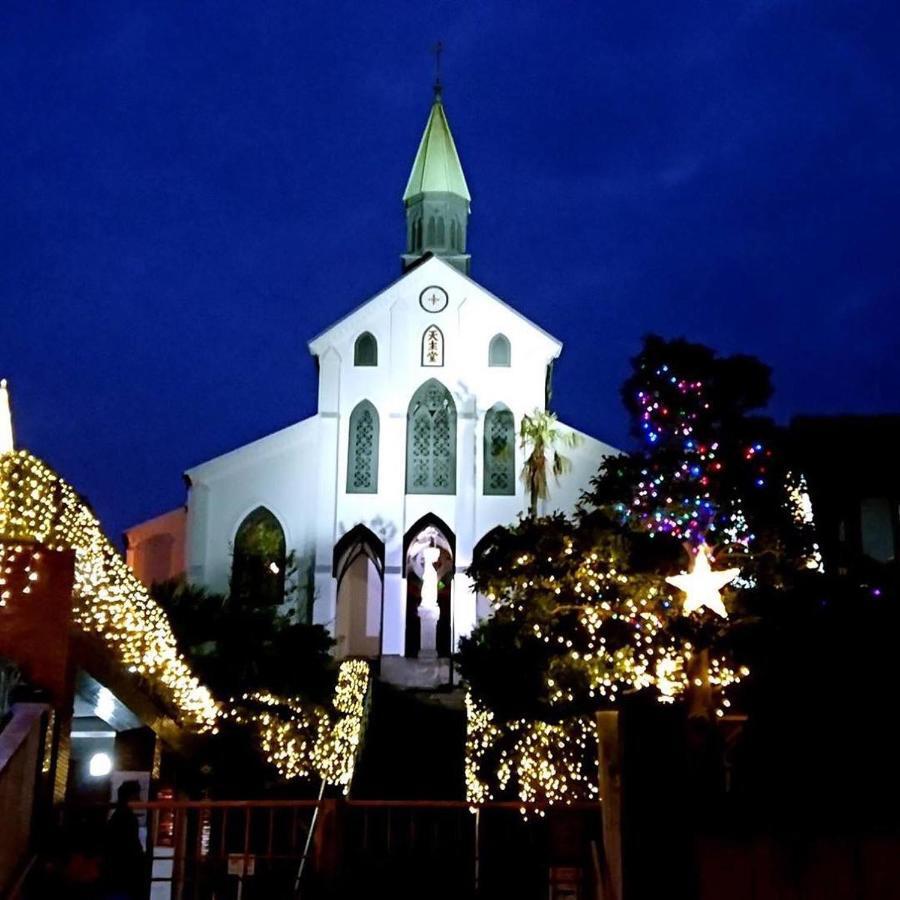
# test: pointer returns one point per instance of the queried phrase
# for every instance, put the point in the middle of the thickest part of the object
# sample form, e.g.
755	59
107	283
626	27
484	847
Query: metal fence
258	849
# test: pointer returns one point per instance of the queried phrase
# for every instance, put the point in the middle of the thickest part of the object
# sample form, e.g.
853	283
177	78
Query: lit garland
585	605
18	570
299	739
613	633
110	602
542	762
800	506
682	495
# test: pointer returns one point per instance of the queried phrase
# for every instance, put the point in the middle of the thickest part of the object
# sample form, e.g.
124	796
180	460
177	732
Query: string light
36	505
678	491
614	630
544	762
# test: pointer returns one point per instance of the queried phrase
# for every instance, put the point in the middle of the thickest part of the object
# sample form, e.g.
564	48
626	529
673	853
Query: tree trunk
609	749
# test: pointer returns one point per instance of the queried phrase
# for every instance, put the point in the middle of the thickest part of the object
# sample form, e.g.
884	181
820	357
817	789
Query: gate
219	850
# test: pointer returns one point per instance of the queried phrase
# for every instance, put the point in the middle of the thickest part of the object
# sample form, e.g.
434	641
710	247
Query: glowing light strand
297	738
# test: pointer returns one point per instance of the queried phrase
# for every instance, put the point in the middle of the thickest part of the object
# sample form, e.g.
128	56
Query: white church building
414	445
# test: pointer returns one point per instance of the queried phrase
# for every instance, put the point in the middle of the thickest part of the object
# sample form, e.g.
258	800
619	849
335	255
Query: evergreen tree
582	610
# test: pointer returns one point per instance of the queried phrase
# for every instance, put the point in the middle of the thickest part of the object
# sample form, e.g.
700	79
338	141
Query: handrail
21	746
361	803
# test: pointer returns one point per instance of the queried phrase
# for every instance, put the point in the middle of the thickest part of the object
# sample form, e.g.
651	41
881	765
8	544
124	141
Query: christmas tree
641	590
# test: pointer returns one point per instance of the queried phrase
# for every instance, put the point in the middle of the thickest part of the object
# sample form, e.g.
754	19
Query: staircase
414	746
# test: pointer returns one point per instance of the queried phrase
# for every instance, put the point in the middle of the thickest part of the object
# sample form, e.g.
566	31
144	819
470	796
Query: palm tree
541	432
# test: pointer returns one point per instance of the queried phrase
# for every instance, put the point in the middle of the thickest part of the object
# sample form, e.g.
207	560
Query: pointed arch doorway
429	542
358	567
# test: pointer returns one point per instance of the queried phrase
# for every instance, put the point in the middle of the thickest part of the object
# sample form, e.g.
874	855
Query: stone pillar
428	619
326	493
394	625
35	631
464	607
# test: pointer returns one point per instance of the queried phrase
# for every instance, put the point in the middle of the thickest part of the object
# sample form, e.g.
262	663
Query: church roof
437	167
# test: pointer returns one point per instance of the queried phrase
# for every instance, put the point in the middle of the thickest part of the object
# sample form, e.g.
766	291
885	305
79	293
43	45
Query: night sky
191	191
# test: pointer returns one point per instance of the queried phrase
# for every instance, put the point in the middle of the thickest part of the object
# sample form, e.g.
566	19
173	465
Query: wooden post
609	748
699	694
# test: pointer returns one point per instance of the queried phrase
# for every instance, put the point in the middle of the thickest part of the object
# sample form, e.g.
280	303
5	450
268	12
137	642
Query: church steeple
437	197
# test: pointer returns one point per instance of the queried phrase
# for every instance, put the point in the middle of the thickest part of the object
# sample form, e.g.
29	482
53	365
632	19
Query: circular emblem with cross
433	299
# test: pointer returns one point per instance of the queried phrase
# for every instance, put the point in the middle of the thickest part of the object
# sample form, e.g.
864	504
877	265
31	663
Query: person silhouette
123	853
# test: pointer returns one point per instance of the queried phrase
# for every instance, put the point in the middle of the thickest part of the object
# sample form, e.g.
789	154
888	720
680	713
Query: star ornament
702	586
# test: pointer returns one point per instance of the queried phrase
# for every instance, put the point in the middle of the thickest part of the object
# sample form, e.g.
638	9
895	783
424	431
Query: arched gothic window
499	352
418	234
258	563
453	243
433	347
431	441
362	450
365	350
441	233
429	234
499	451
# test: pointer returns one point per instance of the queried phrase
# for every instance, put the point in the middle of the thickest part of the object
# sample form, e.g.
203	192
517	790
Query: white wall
300	473
277	472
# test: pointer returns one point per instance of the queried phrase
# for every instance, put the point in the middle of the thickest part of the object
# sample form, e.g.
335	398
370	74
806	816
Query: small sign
242	865
565	883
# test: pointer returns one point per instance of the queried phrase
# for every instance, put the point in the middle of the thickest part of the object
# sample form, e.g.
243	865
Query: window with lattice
431	441
499	451
362	452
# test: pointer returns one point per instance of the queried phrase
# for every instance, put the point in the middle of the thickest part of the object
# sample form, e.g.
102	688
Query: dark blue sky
192	190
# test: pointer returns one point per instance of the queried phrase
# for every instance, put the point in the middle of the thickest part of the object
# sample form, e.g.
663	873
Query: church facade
414	446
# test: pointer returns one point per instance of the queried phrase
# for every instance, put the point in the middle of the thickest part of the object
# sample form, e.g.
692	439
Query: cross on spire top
438	49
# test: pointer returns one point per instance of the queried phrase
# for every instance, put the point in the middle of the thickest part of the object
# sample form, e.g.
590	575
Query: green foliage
258	571
542	654
193	612
705	469
540	432
733	386
240	645
581	608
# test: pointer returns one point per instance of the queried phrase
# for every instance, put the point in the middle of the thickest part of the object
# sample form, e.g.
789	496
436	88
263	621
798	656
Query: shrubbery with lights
649	588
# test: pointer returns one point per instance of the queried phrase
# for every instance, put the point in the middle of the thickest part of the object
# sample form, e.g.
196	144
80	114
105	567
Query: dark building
851	465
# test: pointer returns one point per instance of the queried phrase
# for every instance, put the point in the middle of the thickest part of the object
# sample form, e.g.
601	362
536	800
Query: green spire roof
437	168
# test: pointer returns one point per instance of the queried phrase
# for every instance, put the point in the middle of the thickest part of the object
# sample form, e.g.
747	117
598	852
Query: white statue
430	555
427	554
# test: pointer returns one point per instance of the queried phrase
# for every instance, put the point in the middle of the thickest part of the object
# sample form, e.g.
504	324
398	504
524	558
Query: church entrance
429	567
358	567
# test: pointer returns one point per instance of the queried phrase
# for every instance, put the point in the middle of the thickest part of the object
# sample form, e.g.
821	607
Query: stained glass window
365	350
433	346
499	353
362	452
431	441
499	451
